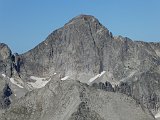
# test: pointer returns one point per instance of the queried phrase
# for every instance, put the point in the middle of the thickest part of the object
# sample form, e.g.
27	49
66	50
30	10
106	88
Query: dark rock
5	100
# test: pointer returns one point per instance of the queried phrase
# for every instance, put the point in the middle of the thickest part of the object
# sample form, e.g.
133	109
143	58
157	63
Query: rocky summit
81	72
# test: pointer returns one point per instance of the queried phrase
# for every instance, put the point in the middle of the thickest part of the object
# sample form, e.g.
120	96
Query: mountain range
81	72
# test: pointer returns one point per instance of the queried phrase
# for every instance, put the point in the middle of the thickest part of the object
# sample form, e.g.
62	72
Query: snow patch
100	31
157	52
55	73
129	76
4	75
65	78
45	43
156	82
15	82
40	82
97	76
157	115
37	78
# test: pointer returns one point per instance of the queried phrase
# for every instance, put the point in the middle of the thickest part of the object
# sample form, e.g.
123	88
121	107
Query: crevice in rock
7	92
91	34
16	63
101	67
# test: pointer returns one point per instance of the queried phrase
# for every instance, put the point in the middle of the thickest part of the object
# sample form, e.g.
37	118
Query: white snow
115	82
100	31
157	115
55	73
3	75
97	76
129	76
37	78
40	82
102	73
15	82
65	78
45	43
157	52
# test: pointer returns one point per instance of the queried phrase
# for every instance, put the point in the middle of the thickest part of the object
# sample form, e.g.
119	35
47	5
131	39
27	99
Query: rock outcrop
5	61
72	100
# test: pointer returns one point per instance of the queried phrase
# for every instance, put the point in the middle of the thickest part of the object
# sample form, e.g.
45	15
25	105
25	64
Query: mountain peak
5	51
83	18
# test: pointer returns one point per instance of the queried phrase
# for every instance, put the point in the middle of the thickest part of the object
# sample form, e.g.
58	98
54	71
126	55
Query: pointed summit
87	23
84	18
78	44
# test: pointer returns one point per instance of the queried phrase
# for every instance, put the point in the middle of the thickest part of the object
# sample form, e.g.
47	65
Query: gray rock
5	62
71	100
83	49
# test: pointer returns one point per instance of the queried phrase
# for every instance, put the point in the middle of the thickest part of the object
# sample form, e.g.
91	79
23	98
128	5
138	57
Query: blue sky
25	23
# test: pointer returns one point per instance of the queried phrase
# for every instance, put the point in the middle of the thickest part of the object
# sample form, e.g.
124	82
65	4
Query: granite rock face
5	61
5	69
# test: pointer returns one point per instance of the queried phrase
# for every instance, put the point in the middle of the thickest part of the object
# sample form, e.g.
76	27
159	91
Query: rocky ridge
72	100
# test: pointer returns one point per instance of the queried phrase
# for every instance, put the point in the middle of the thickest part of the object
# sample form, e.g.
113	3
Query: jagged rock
125	88
5	52
104	86
5	62
109	86
71	100
9	67
2	85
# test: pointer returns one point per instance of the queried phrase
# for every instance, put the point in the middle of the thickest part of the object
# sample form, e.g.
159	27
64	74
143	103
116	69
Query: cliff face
5	55
75	48
83	47
84	50
9	91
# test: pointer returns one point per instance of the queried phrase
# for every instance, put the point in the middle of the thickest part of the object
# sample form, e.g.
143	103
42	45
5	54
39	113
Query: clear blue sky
25	23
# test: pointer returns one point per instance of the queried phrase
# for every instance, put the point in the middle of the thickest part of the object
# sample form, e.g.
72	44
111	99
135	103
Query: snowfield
4	75
97	76
65	78
157	115
15	82
40	82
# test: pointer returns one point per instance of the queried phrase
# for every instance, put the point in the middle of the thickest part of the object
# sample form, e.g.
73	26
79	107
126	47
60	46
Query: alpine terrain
81	72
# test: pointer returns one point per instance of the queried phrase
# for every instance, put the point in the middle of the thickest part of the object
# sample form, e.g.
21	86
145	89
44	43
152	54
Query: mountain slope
84	48
86	51
71	100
